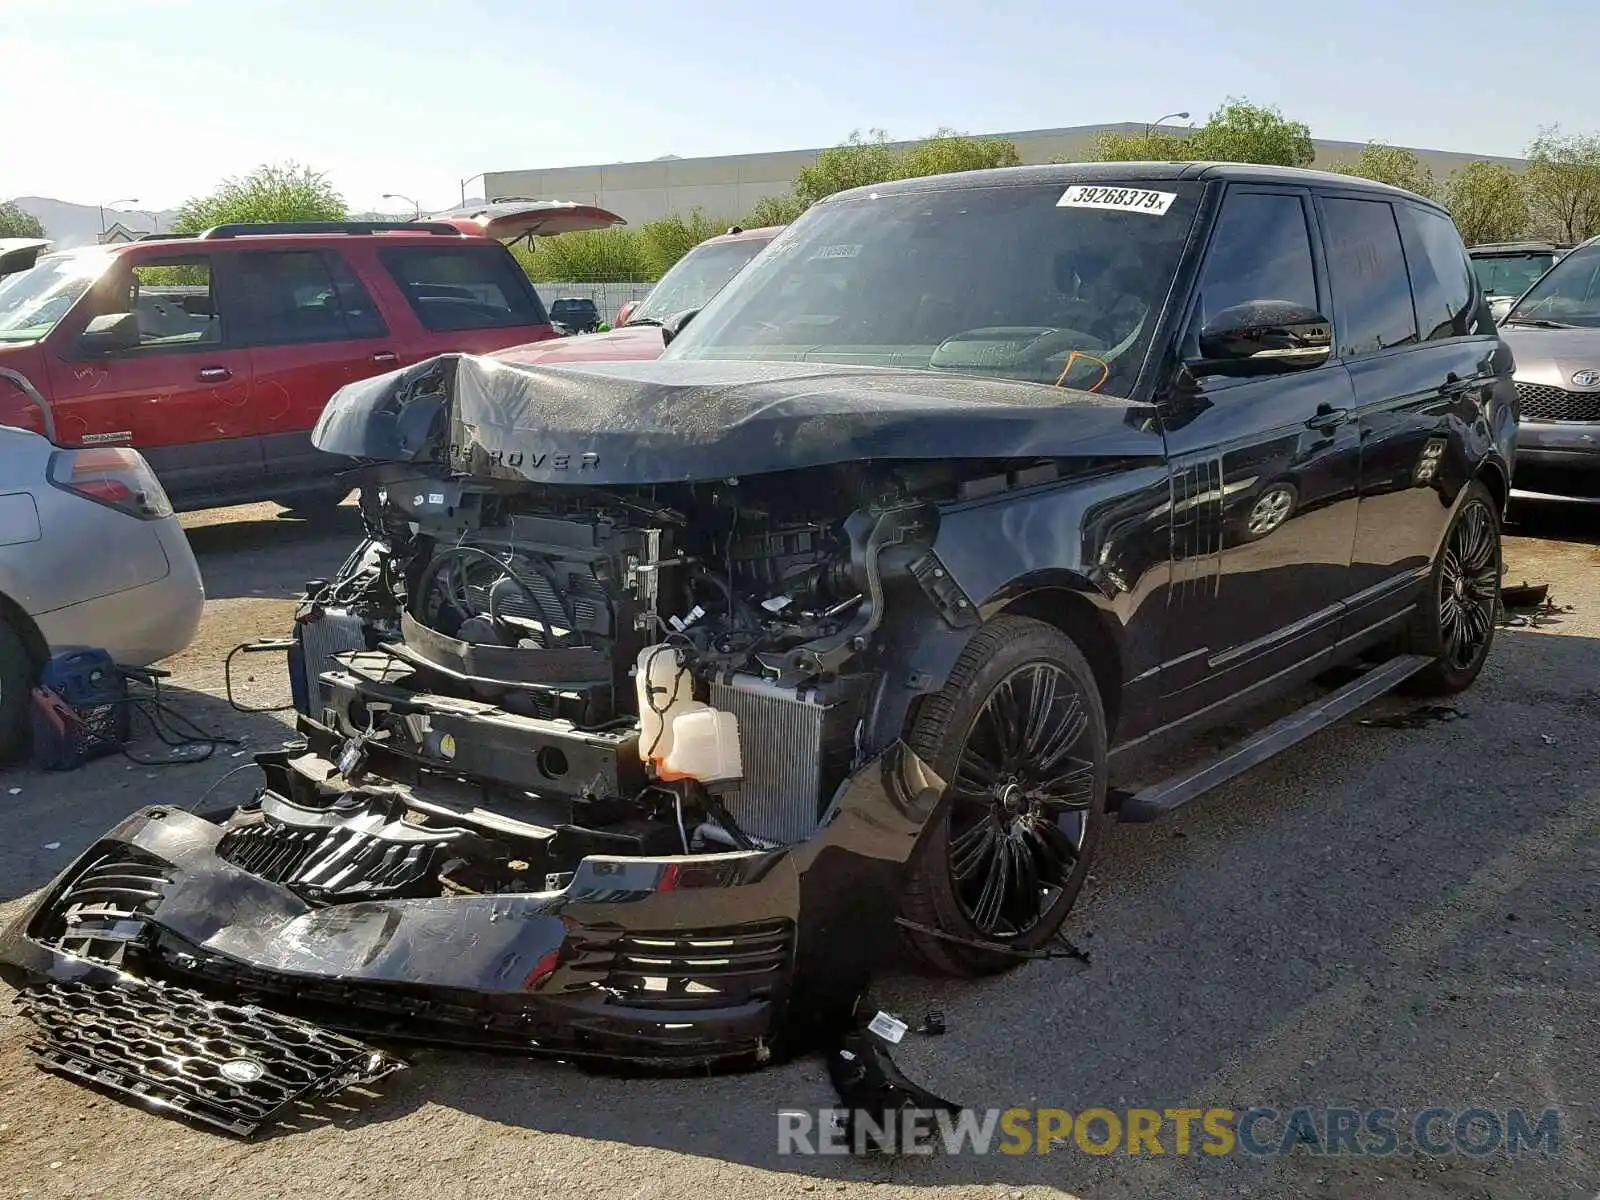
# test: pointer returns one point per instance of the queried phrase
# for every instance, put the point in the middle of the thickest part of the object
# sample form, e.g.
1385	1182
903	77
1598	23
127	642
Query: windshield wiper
1537	323
640	321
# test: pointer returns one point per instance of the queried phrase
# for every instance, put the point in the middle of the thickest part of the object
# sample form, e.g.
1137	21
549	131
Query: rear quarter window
464	287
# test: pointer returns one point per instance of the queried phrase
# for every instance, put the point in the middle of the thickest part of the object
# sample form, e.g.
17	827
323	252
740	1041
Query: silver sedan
91	555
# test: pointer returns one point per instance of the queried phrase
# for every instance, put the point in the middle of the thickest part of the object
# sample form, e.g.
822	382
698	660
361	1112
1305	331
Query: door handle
214	374
385	358
1328	418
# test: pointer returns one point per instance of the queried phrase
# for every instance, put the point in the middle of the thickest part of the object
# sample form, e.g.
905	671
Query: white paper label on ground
1117	199
890	1029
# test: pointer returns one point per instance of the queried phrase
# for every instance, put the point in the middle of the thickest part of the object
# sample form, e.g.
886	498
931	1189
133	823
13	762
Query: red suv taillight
116	476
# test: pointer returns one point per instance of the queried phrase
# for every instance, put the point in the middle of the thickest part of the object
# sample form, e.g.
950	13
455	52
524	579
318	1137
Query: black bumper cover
687	961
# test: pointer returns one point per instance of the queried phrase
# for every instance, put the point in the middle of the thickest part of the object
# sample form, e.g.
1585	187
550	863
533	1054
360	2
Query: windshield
1569	294
1510	276
1044	283
32	301
695	278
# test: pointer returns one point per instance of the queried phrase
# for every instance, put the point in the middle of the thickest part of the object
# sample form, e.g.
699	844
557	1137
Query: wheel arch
1493	475
1072	605
14	615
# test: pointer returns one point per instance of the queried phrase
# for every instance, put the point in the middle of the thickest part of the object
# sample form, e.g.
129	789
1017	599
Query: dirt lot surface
1382	917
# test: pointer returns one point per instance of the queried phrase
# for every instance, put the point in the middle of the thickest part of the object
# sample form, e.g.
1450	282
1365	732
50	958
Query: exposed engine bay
568	671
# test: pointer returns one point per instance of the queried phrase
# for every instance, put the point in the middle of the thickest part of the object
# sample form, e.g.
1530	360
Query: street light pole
1168	117
416	209
112	205
464	183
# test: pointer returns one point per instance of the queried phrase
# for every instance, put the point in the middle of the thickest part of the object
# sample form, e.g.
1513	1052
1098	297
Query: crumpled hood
1550	356
670	421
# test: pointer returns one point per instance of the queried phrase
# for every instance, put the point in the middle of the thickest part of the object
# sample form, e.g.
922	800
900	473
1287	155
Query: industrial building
730	185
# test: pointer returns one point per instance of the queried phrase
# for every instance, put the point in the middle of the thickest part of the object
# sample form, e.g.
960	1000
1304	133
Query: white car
91	556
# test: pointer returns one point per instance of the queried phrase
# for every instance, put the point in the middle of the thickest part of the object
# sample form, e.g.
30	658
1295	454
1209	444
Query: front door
1265	475
181	396
311	328
1405	304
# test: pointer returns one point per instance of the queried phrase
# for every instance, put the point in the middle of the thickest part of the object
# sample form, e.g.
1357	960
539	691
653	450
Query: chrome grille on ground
231	1066
103	909
699	968
1540	402
364	849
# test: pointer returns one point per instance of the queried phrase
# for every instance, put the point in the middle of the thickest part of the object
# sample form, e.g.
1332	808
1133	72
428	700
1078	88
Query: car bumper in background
1558	460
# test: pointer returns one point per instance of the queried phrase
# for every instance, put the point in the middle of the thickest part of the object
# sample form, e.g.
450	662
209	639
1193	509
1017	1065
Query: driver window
1261	251
172	299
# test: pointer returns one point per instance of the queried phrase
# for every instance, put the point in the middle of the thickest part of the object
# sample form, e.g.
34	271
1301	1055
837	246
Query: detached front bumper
688	961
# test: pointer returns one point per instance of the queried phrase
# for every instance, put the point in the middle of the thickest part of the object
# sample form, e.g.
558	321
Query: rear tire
17	674
1455	619
1019	735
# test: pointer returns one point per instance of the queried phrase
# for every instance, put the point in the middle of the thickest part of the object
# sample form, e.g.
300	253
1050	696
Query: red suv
214	354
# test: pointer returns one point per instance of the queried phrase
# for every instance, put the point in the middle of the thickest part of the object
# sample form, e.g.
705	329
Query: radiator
795	750
334	632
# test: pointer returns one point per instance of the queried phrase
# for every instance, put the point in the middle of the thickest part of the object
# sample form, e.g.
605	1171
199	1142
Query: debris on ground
879	1101
1416	718
1524	595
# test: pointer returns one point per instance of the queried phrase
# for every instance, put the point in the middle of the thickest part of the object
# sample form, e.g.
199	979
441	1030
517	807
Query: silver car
1554	331
91	555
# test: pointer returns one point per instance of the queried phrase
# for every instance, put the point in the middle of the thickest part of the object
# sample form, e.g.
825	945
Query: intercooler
796	748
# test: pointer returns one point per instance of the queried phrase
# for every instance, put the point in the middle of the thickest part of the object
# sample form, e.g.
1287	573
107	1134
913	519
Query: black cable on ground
166	724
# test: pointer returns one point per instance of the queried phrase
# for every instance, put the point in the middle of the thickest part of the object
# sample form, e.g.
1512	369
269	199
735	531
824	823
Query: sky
158	100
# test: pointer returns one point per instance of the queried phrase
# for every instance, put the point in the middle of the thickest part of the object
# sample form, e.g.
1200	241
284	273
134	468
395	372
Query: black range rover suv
676	688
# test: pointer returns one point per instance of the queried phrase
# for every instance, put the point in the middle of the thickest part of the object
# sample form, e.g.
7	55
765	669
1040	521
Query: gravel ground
1381	917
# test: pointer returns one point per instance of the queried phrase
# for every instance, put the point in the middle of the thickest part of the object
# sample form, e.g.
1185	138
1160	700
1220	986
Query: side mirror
674	325
110	333
1263	337
625	312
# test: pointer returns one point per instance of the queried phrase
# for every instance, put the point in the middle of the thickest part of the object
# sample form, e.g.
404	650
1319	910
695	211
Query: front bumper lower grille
688	970
234	1067
1540	402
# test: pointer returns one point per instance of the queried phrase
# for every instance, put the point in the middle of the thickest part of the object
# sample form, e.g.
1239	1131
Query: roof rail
270	228
161	237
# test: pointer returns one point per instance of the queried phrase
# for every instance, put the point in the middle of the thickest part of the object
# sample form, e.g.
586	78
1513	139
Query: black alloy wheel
1018	733
1456	618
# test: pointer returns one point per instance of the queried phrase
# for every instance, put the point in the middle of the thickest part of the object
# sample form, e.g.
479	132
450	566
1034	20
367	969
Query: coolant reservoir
705	746
664	688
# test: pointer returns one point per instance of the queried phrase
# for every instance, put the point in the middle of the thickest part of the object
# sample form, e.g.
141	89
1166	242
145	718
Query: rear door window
299	296
1367	268
1441	275
464	287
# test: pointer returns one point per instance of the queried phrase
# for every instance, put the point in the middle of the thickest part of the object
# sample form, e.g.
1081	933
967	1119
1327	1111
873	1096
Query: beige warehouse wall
729	186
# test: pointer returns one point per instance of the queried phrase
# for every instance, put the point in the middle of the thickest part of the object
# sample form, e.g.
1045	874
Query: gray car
1554	331
91	555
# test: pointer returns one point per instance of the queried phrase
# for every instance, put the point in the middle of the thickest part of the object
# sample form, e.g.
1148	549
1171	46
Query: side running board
1158	799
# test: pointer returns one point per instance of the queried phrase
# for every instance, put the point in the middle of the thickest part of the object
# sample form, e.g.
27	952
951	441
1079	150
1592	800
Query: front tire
1455	619
1018	732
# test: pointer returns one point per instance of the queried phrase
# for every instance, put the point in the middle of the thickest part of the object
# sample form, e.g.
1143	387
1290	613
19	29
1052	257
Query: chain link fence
607	297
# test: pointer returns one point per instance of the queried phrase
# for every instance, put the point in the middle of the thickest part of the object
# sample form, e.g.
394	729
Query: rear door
1405	304
1265	474
311	327
468	297
181	396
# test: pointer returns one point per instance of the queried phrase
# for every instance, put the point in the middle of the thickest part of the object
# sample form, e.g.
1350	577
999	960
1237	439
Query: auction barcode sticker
1119	199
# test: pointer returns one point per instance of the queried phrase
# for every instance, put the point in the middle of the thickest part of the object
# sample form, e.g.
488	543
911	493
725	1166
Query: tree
664	241
1562	184
16	223
1393	165
1149	146
1488	203
1251	133
282	192
872	159
774	210
945	152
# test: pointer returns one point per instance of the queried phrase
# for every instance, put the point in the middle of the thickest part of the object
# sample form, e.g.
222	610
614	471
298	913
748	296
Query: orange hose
1105	369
